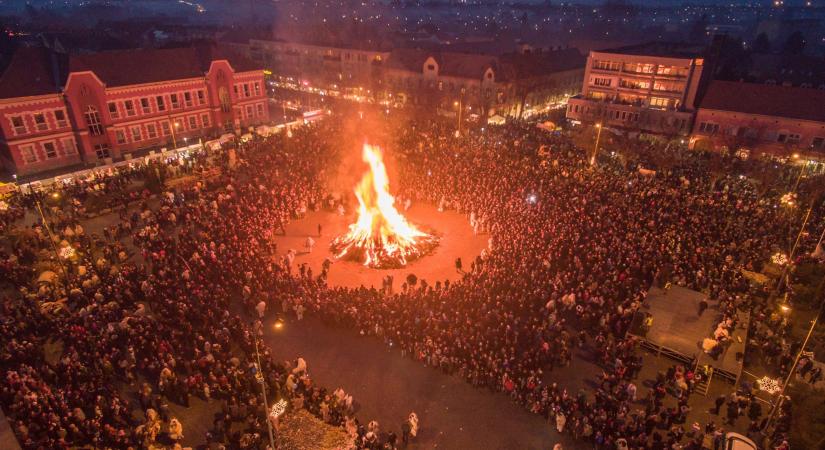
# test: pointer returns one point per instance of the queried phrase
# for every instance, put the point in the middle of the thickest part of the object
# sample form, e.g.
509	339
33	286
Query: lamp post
459	104
596	147
260	377
175	126
49	233
784	276
798	177
781	398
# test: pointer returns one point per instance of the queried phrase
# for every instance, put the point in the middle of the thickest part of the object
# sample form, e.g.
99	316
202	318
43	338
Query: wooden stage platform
677	330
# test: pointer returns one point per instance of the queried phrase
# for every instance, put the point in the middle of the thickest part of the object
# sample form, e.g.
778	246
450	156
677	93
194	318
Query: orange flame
381	236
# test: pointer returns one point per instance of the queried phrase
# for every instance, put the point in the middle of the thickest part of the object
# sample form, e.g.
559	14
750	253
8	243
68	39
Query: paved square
457	240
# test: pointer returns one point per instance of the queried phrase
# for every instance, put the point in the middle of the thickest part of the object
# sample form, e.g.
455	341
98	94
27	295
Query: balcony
604	69
671	76
633	87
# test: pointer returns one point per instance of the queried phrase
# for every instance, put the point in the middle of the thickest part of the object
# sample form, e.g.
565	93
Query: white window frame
22	128
61	123
46	152
28	154
129	111
147	108
113	114
40	126
69	146
160	102
165	128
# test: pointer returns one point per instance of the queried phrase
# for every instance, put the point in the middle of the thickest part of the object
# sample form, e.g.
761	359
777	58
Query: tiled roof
766	100
38	71
526	65
122	68
127	67
507	67
33	71
464	65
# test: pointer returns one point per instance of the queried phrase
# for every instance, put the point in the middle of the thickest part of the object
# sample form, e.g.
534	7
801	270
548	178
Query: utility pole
781	398
174	126
596	147
260	377
784	276
460	105
51	236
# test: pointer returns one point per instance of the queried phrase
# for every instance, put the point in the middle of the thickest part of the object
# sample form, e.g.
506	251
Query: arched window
226	103
93	121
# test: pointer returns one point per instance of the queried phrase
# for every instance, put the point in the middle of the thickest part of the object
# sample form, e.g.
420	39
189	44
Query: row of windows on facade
176	100
640	85
626	116
158	104
652	102
39	121
782	137
136	133
347	56
451	88
645	68
48	150
243	90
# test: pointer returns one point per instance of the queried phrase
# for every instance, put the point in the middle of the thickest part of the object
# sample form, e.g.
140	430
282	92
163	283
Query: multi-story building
649	88
58	110
507	85
761	118
347	70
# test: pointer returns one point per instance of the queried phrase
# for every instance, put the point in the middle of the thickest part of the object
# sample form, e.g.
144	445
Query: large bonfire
381	237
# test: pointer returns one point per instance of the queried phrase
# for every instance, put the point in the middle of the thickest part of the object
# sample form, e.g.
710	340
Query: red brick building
58	111
761	118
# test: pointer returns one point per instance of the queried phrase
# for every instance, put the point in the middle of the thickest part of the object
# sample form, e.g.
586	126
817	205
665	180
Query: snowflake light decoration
779	259
768	385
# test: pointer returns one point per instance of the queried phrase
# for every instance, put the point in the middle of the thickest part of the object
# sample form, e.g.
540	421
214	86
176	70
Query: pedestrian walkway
388	386
7	439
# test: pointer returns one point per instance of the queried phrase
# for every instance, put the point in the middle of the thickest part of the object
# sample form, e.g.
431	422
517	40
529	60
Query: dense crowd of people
169	303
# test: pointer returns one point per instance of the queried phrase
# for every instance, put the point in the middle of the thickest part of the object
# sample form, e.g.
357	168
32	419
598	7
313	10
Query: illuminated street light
596	147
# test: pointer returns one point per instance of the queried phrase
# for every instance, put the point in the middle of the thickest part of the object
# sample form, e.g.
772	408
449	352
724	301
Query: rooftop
767	100
39	71
662	49
508	66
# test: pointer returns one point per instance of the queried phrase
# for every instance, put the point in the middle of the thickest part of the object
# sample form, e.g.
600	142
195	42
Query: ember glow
381	237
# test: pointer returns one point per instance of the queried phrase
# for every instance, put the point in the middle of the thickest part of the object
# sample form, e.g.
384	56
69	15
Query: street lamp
260	377
458	104
781	398
57	257
596	147
175	126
